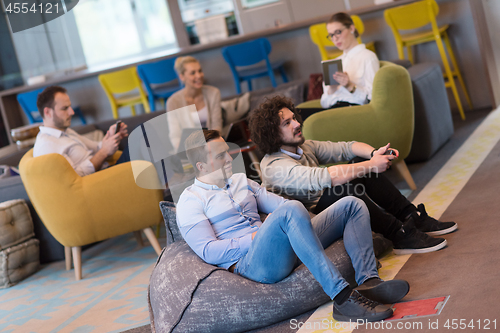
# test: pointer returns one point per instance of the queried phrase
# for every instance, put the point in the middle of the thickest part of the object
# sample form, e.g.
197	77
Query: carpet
111	297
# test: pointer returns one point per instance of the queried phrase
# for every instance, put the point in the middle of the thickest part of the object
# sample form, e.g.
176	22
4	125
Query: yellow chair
120	88
417	15
327	49
82	210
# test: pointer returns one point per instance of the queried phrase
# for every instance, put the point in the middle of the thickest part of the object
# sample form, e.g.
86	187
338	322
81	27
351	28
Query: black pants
377	192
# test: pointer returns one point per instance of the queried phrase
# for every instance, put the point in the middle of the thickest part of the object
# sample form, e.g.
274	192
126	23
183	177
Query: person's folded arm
267	202
202	240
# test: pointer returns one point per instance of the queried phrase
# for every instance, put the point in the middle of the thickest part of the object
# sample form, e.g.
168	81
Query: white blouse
361	65
202	115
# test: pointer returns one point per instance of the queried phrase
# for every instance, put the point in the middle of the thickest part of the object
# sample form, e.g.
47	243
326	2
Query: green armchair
388	118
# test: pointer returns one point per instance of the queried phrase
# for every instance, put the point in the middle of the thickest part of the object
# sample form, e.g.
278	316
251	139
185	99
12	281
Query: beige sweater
301	177
178	120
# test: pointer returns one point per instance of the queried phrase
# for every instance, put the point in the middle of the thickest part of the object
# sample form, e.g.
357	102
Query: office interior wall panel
361	3
263	17
303	10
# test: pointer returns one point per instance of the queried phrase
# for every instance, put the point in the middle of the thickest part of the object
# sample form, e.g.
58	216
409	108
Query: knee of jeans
296	207
354	204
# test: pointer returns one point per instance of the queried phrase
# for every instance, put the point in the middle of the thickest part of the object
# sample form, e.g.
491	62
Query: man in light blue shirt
218	217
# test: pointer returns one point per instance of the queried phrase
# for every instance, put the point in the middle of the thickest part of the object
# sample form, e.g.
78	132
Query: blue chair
159	80
28	104
243	60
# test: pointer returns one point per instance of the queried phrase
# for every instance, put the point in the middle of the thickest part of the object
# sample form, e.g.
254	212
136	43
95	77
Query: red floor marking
412	309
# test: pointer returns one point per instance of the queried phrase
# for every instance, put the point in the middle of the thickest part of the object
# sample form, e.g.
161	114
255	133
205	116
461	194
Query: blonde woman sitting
206	99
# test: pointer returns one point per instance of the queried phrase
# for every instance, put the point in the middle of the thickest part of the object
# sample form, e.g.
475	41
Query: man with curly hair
291	167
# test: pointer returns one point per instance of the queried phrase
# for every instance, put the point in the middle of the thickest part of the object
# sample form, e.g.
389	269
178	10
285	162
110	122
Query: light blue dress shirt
218	223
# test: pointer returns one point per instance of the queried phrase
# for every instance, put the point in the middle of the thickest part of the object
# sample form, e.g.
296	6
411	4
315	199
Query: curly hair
265	123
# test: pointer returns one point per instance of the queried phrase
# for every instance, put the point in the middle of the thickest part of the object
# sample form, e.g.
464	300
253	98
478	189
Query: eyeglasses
336	33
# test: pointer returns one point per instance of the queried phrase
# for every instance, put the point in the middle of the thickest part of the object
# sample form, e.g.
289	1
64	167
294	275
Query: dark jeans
377	192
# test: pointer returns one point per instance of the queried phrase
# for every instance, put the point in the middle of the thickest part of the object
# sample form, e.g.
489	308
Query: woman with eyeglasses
359	65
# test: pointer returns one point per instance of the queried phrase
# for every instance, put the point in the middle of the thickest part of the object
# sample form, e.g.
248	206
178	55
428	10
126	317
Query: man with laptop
85	156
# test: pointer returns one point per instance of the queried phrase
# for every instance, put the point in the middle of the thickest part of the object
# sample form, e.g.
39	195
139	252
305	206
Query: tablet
330	67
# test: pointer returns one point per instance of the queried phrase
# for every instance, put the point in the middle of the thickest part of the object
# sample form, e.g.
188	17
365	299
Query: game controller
390	152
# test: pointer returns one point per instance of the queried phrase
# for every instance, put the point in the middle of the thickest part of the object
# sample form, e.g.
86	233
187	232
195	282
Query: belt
231	268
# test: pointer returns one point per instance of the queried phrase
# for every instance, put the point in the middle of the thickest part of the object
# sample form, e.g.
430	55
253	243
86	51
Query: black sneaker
385	292
357	307
410	240
430	225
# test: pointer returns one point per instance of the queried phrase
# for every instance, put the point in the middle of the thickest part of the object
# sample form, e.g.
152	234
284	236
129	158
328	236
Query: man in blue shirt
218	217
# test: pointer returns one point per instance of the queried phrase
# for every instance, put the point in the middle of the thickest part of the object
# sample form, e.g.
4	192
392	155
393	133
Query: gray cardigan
303	179
177	121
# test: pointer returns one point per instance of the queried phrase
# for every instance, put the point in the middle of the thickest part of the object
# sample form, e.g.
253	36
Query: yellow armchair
81	210
388	118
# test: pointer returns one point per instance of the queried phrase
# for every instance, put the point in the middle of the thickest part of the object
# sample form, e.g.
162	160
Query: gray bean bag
186	294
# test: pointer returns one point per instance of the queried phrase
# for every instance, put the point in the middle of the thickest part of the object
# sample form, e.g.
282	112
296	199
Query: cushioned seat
388	118
186	294
82	210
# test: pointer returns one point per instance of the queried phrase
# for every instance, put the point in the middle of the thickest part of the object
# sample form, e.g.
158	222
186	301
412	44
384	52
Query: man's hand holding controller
382	158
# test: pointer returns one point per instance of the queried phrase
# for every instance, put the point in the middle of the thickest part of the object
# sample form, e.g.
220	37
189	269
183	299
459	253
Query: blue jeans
289	233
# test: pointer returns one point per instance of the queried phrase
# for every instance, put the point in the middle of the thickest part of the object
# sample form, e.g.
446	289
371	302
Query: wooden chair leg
152	239
132	110
67	257
77	260
138	237
402	169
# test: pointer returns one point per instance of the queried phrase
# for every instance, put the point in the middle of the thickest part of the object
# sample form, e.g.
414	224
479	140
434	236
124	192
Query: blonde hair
180	63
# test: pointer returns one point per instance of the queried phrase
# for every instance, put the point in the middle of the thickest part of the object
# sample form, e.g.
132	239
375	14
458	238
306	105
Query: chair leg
114	110
67	257
138	237
273	79
401	51
152	239
451	80
410	54
249	82
402	169
80	115
132	109
152	104
456	69
283	74
77	260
